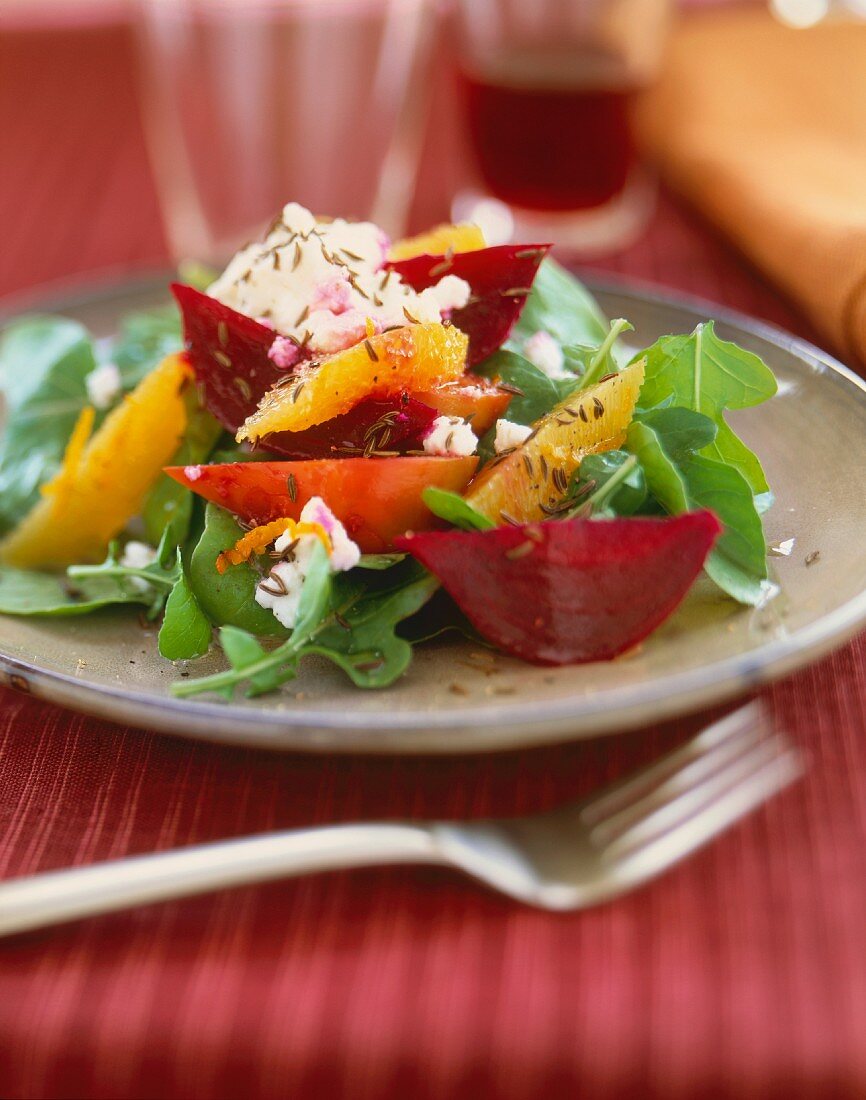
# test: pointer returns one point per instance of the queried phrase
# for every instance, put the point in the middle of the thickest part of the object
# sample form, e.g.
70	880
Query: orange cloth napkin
763	128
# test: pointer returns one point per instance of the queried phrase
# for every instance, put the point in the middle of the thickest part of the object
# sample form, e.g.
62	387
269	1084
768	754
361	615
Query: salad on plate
340	447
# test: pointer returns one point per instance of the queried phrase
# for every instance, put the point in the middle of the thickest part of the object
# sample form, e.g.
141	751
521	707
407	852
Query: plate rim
493	726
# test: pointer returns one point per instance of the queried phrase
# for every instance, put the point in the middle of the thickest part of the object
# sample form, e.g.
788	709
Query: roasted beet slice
559	593
377	424
229	354
500	279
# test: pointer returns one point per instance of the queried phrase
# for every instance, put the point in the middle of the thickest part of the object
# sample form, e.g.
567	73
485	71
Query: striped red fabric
740	974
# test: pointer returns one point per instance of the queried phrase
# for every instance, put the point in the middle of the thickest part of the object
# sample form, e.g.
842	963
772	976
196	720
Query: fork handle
58	896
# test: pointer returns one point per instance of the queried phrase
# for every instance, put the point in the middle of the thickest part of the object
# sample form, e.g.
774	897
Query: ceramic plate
812	441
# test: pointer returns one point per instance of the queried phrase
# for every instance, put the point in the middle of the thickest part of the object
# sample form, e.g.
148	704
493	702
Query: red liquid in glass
555	145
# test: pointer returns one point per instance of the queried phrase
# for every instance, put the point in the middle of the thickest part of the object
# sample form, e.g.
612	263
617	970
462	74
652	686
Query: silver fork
568	858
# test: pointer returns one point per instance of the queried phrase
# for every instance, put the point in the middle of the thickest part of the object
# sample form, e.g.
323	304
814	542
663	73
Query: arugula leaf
43	364
681	480
561	305
24	592
186	630
368	648
153	582
709	375
355	629
244	653
455	510
228	598
612	483
144	340
593	363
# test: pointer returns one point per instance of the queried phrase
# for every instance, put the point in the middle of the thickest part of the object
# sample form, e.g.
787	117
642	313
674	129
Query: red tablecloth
742	973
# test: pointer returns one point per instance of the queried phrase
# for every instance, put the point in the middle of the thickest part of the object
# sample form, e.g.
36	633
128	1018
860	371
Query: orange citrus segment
104	479
534	476
436	242
415	357
260	538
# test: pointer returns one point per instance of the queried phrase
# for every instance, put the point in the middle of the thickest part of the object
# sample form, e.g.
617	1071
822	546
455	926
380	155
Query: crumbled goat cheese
192	473
281	590
320	282
345	554
103	385
138	555
450	435
509	435
545	353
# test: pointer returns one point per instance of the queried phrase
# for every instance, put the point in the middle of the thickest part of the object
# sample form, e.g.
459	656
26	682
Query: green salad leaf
154	582
561	305
43	364
144	340
538	392
710	375
342	618
672	445
186	630
610	484
25	592
170	504
593	363
455	510
228	598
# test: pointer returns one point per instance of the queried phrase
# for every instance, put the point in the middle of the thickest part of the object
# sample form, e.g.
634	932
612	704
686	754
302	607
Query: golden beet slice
415	357
534	476
104	479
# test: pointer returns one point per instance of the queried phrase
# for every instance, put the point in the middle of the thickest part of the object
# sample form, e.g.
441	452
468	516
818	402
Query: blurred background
138	133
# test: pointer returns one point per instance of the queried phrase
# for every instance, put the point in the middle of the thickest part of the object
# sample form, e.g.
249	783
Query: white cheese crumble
280	592
450	435
138	555
545	353
509	435
103	385
318	283
192	473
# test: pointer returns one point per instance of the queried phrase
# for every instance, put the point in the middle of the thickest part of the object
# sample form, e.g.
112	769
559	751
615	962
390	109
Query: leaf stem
121	571
605	490
596	365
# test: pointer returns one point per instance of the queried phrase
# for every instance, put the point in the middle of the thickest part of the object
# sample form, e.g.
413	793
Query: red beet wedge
559	593
500	279
229	354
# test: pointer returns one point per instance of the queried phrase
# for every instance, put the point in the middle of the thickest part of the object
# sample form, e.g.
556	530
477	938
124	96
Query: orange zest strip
260	538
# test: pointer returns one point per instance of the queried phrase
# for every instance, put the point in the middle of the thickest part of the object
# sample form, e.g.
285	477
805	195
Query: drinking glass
251	103
547	90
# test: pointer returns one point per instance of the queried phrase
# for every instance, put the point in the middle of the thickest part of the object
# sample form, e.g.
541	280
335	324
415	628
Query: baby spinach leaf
561	305
682	480
228	598
24	592
186	630
455	510
709	375
43	364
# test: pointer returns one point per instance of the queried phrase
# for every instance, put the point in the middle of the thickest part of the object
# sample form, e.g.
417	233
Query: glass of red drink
548	90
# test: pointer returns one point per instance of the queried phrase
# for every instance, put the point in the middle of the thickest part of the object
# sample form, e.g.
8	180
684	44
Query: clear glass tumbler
251	103
547	90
